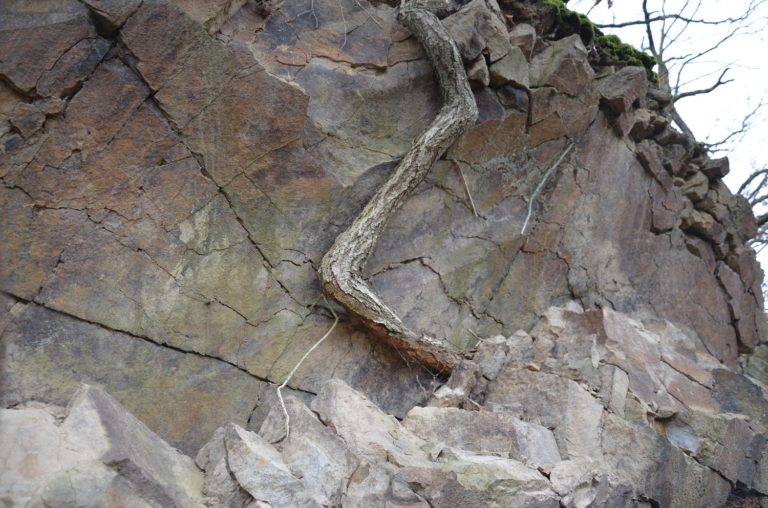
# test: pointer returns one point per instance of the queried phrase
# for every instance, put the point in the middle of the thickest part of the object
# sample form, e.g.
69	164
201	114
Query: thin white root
540	187
296	367
466	187
373	18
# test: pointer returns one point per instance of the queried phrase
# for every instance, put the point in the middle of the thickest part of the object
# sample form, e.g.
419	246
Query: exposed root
341	267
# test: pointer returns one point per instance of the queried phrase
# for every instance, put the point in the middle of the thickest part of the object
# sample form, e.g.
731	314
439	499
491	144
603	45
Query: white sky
712	116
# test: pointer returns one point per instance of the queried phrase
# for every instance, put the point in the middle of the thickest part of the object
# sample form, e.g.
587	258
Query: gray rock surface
172	172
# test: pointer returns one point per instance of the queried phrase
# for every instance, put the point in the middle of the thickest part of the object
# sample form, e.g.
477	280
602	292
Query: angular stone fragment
369	433
563	65
716	168
485	433
99	453
312	451
571	412
477	72
260	470
620	90
583	483
476	27
695	187
510	69
523	36
220	484
739	301
371	486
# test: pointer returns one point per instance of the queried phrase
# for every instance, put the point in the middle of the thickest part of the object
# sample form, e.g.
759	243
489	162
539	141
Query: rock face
173	171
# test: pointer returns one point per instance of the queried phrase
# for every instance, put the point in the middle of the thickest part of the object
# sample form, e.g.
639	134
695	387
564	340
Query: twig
344	20
540	187
466	187
296	367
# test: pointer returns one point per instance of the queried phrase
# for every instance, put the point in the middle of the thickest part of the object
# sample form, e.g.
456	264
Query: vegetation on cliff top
609	48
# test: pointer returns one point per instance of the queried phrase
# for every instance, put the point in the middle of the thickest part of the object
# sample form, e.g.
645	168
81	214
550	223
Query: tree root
341	267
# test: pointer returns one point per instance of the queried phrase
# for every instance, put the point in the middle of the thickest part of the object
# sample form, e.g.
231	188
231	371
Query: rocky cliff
173	172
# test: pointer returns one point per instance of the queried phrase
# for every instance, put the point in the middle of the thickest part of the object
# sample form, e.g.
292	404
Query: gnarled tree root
340	269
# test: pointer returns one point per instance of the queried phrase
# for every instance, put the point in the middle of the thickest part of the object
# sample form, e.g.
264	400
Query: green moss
608	48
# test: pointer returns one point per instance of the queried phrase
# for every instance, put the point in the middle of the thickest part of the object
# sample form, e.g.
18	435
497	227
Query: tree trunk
341	267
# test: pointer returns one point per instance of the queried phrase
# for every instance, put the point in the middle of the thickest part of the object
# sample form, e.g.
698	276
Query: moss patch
608	49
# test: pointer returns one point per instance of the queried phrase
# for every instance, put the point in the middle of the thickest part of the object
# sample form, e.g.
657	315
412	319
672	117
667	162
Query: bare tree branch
691	93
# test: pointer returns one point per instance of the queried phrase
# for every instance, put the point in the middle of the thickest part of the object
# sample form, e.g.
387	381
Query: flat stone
32	42
485	433
74	67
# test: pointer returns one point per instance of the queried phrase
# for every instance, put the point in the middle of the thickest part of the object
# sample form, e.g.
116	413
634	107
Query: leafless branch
691	93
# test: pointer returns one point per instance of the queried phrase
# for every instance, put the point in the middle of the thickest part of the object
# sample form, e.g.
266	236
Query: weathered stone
716	168
511	69
571	412
74	67
695	187
620	90
220	484
488	105
32	42
523	36
477	72
181	396
259	470
211	14
373	487
96	453
670	136
460	385
703	224
477	27
499	481
563	65
738	394
513	97
650	476
740	299
111	14
370	434
311	451
583	483
485	433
